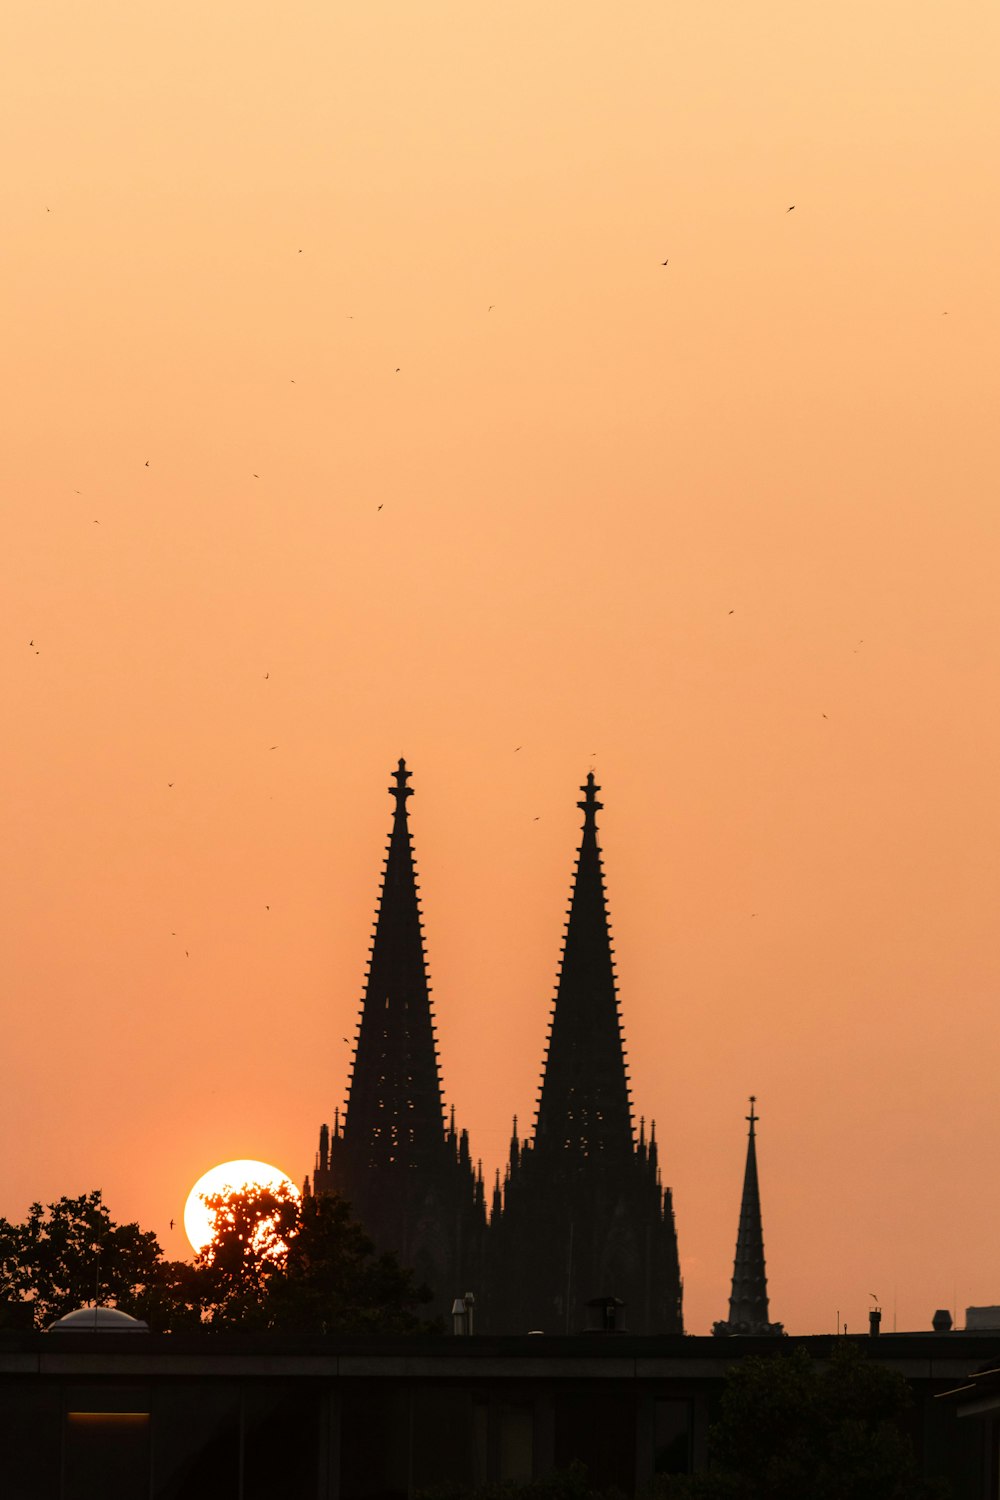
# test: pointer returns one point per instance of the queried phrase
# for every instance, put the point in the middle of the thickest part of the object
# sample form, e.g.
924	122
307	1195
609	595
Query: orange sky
730	526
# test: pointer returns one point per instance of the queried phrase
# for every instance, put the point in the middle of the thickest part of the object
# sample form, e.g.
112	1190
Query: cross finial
752	1116
401	791
590	805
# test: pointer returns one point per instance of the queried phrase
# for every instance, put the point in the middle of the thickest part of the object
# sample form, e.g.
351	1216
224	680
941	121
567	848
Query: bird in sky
664	262
397	369
171	1223
491	307
732	611
147	463
272	747
379	507
256	476
169	783
31	643
516	749
789	208
266	676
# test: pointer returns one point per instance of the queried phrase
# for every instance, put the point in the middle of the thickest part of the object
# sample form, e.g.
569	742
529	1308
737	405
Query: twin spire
395	1109
579	1178
584	1103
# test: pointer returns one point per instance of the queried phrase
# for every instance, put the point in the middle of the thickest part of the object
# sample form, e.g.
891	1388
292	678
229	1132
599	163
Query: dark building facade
209	1416
408	1177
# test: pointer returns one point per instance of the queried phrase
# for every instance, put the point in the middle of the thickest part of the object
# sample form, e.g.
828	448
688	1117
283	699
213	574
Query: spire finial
401	791
752	1117
590	806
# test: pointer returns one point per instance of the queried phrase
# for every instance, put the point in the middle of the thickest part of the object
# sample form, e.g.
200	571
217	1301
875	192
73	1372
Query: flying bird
31	643
789	208
171	1223
272	747
664	262
397	369
147	463
266	676
379	507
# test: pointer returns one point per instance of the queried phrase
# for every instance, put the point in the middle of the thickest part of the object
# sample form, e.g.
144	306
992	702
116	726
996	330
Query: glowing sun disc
229	1177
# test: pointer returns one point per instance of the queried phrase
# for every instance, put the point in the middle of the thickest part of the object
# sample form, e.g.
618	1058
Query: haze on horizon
351	413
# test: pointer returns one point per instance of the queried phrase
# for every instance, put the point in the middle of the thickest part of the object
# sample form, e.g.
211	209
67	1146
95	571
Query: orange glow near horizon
351	413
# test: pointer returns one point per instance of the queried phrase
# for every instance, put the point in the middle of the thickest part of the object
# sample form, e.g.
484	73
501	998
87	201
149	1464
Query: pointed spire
748	1308
584	1105
394	1103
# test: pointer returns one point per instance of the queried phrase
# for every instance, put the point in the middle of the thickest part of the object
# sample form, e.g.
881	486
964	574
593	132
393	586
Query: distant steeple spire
394	1104
748	1308
584	1104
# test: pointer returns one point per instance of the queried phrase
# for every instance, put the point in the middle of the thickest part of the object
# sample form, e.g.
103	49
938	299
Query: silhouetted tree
332	1279
790	1427
251	1230
299	1267
70	1253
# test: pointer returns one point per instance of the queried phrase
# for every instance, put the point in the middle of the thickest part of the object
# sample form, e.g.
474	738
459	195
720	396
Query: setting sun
229	1177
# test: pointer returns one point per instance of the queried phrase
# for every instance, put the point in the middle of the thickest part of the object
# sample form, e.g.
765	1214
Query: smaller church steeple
748	1309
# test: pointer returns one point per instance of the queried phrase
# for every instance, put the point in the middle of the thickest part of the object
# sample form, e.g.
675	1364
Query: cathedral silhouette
581	1230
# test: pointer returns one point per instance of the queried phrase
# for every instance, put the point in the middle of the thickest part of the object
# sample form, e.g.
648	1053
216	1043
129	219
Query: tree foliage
790	1428
301	1267
70	1253
272	1263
